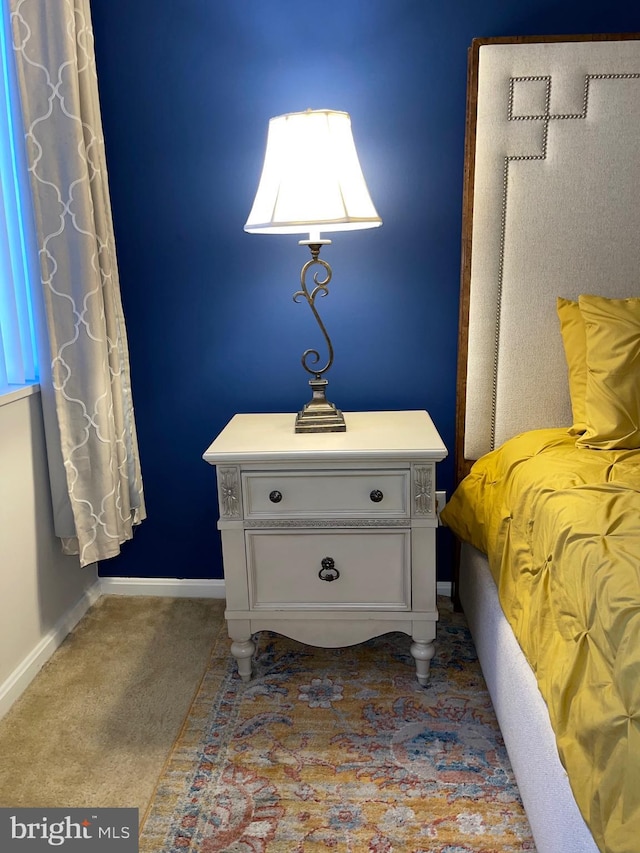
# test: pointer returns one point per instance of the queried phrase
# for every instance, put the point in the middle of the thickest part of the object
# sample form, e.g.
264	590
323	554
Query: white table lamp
312	182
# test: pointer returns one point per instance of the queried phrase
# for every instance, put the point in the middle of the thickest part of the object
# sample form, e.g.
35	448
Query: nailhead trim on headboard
546	117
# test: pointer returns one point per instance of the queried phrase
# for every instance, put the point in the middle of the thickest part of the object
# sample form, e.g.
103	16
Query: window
18	354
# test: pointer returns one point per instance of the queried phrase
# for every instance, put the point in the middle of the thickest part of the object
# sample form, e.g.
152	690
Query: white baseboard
170	587
444	588
13	686
196	588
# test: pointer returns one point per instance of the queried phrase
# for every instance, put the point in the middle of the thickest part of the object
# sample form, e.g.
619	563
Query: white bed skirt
556	823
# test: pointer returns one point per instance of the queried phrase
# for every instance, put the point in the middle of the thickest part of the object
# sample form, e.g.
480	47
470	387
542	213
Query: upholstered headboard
551	208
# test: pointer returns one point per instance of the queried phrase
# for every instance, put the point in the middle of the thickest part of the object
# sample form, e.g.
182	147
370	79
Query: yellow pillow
574	340
612	399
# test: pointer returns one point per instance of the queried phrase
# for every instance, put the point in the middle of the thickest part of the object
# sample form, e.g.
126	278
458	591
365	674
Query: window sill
11	393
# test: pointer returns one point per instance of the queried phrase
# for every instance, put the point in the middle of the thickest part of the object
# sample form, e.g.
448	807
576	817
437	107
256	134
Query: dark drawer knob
328	572
275	497
376	496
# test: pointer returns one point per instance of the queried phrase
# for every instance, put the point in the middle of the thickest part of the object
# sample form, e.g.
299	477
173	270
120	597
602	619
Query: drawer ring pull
328	572
275	497
376	496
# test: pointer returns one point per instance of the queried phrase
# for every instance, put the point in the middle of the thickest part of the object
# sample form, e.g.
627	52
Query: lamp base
319	415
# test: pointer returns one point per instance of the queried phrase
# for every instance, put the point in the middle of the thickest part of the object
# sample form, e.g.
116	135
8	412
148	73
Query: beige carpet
96	725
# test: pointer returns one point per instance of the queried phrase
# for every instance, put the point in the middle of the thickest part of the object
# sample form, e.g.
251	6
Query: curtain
89	420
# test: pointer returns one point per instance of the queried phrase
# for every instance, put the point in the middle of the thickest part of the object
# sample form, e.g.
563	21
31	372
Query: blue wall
187	89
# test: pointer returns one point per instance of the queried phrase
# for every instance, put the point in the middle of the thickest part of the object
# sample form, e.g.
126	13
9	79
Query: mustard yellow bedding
561	528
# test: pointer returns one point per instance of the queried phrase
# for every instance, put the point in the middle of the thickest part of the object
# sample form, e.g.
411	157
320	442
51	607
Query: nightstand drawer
326	494
348	569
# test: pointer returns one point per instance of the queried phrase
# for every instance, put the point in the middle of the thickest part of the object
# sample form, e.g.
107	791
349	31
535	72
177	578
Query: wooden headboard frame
590	58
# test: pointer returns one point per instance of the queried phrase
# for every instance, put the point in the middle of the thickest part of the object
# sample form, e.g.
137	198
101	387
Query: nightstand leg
243	650
422	651
242	646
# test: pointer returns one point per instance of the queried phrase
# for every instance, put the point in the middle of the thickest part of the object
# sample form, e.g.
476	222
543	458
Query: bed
547	507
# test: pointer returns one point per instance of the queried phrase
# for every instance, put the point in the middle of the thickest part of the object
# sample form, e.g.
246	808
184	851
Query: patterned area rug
340	750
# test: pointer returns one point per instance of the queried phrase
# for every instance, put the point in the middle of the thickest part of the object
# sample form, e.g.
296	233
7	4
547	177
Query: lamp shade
311	178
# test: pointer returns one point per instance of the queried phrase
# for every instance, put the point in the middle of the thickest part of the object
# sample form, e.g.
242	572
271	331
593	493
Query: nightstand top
408	435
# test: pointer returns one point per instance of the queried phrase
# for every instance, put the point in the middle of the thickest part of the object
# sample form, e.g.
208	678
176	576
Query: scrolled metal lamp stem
321	289
319	415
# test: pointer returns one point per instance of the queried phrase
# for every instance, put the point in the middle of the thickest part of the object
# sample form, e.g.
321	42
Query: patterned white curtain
91	434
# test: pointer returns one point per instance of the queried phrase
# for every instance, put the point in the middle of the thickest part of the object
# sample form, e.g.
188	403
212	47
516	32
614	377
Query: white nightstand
329	538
